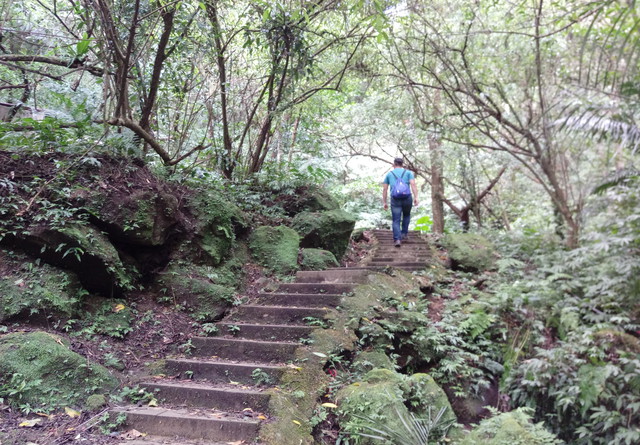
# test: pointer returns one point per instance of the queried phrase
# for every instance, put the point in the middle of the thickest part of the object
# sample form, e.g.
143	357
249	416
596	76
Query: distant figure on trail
402	183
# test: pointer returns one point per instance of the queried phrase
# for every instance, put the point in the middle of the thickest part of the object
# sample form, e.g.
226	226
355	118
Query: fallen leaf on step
247	409
30	423
329	405
71	412
261	417
239	442
48	416
231	382
132	434
153	402
296	422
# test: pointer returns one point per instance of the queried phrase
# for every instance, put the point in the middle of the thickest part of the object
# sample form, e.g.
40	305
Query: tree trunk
437	187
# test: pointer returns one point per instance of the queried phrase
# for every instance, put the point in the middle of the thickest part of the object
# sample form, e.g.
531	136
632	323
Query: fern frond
626	176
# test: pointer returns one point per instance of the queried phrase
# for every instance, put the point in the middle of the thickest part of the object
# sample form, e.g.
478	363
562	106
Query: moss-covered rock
204	291
365	361
329	230
317	259
512	428
85	250
424	394
276	248
380	401
217	223
45	373
310	199
376	404
469	252
144	217
28	288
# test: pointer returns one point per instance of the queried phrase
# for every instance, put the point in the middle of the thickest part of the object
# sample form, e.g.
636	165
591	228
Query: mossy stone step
202	395
267	332
221	371
239	349
304	300
276	314
188	424
331	276
316	288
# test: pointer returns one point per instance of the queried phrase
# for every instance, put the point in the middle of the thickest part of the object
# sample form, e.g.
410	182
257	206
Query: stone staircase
213	397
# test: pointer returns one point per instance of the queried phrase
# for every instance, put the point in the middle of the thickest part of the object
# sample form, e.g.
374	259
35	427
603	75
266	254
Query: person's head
398	162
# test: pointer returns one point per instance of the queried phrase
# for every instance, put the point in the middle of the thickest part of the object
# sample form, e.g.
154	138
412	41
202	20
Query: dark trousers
400	210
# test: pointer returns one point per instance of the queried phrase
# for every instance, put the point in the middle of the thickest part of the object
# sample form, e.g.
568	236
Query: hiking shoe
405	236
397	243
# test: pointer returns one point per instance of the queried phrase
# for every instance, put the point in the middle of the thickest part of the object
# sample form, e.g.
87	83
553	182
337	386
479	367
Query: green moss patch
276	248
29	288
329	230
469	252
317	259
38	370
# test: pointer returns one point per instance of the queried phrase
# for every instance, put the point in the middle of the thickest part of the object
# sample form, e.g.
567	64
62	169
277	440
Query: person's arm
385	187
414	190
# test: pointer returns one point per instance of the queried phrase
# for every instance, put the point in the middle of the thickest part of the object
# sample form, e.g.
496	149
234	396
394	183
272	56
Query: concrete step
400	256
316	288
266	332
239	349
204	395
382	268
249	313
189	424
331	276
304	300
221	371
398	264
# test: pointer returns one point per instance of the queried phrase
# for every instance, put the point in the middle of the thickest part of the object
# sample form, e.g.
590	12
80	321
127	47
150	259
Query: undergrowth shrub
573	354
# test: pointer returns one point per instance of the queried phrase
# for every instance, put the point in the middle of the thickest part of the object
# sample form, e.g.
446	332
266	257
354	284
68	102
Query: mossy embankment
121	266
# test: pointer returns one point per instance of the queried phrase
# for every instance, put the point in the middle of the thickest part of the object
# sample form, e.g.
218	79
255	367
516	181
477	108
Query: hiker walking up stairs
219	394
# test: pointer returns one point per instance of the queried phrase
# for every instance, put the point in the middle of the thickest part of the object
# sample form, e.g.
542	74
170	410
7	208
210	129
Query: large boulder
276	248
28	288
317	259
86	251
308	198
197	288
380	403
39	369
217	221
144	217
469	252
329	230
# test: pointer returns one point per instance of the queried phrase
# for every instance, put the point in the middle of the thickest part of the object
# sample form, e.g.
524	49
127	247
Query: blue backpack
400	189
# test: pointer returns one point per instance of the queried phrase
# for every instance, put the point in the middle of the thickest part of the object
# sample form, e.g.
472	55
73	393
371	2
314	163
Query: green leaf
82	47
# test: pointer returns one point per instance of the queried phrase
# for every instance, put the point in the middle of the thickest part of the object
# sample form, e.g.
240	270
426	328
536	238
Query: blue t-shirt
391	180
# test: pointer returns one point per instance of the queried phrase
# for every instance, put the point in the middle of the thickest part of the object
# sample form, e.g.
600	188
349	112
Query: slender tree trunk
437	186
